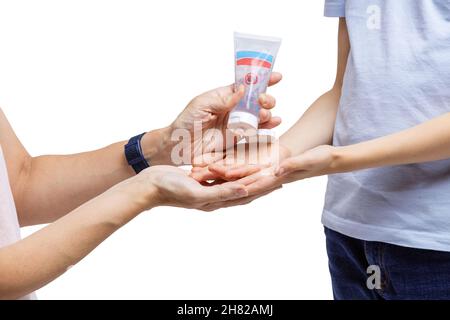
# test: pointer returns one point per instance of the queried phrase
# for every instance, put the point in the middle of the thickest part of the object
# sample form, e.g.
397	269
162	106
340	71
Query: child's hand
253	166
261	179
242	161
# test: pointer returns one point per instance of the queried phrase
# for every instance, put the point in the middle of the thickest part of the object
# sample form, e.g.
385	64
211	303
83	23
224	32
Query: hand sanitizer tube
254	60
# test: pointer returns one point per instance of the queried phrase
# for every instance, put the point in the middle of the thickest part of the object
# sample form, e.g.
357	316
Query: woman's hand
211	110
171	186
203	126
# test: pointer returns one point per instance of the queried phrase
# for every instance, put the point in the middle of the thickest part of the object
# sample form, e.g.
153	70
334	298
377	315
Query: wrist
139	192
342	159
284	151
157	146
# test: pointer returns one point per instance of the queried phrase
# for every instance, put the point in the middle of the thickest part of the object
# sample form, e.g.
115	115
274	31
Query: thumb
232	100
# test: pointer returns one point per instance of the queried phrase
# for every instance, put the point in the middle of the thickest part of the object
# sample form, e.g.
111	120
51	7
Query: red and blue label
254	58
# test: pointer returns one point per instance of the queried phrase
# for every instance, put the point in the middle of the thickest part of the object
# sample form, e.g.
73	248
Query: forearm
316	126
429	141
52	186
33	262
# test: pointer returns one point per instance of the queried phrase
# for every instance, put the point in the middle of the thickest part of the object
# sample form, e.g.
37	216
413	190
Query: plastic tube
254	60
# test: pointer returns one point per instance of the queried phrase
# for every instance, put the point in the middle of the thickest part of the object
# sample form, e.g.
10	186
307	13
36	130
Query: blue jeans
404	273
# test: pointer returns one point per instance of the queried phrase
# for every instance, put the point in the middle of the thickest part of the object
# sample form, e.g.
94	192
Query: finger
252	180
263	184
266	101
232	95
238	172
233	99
243	171
238	202
221	192
218	169
264	116
261	181
272	123
221	171
197	169
204	175
275	77
235	172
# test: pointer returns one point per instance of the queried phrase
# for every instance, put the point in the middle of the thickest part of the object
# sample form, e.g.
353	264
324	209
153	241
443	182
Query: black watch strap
134	155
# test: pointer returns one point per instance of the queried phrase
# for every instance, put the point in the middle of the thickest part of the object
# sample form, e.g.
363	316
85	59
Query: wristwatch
134	155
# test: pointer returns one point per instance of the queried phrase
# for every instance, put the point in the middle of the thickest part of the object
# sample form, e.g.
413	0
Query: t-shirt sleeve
334	8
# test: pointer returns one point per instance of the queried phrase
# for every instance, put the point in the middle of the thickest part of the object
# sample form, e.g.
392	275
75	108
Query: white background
78	75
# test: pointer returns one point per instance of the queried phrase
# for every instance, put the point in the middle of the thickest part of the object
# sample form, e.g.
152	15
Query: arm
316	126
47	187
33	262
429	141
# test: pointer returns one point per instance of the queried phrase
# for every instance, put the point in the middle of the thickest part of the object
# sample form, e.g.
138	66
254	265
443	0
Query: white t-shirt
397	76
9	225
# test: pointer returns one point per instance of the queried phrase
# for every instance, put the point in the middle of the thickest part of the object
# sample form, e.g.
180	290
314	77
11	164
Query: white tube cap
243	124
267	133
264	136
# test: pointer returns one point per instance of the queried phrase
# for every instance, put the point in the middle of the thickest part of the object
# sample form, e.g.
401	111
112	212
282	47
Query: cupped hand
258	184
211	110
171	186
252	166
262	181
